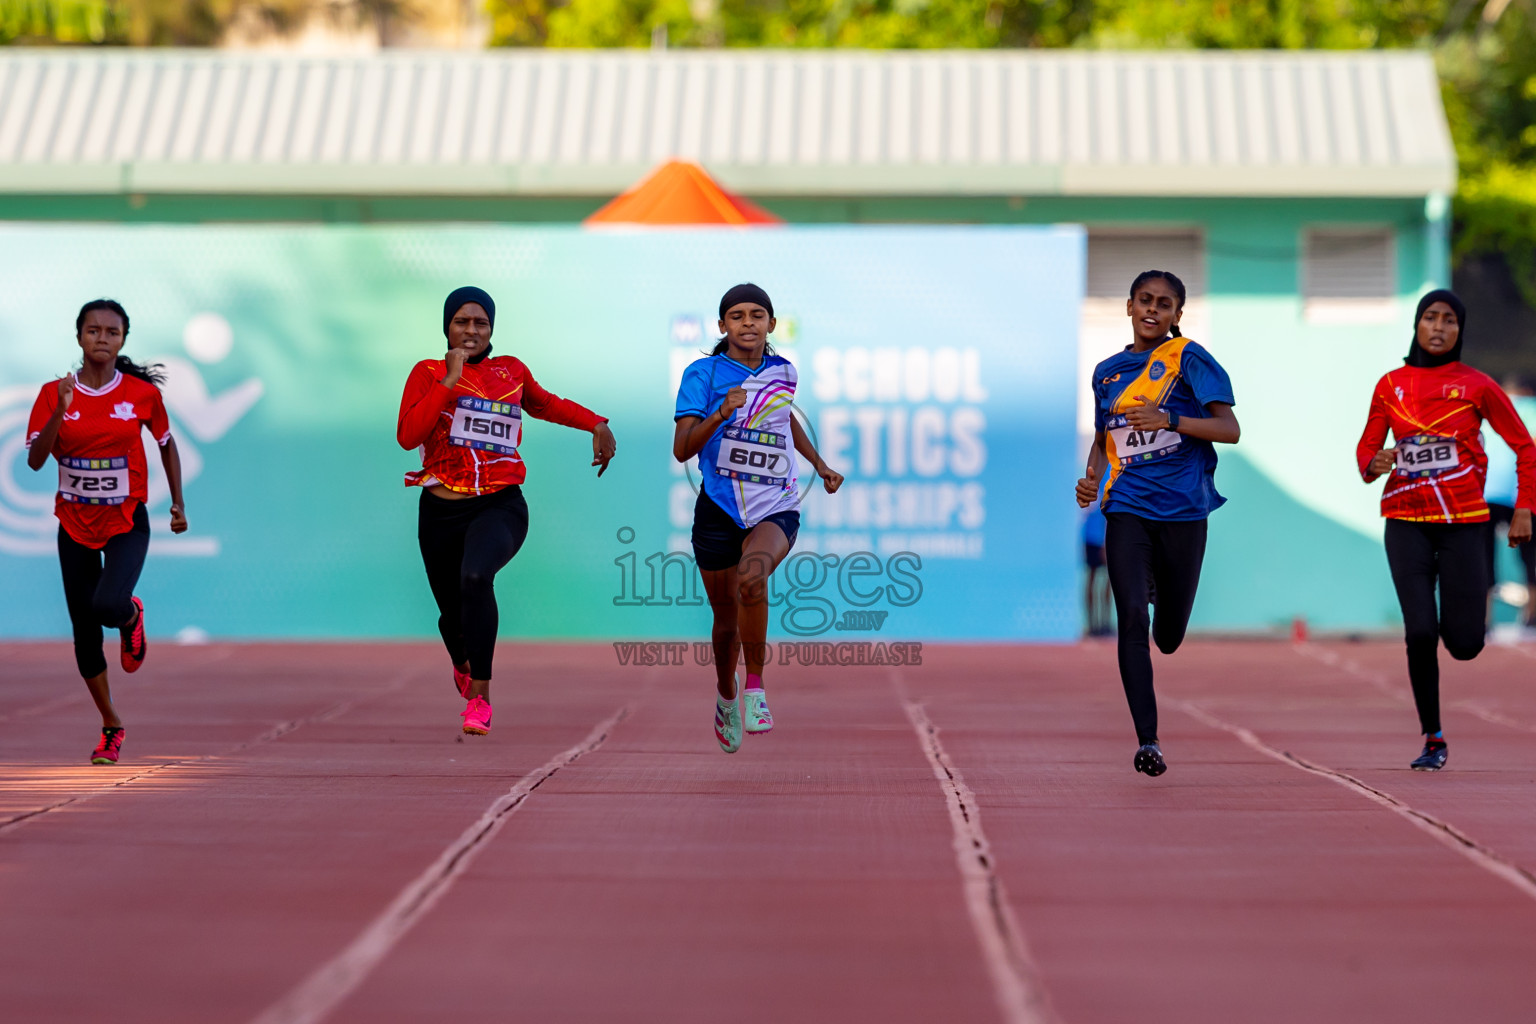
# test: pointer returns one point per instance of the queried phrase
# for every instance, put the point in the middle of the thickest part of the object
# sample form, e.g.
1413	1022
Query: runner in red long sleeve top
443	422
1439	536
465	412
1436	414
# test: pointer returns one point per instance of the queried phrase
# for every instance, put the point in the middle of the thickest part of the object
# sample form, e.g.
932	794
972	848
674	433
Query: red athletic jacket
1436	415
469	435
103	475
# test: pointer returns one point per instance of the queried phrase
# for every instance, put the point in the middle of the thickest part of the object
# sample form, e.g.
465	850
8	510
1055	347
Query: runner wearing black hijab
1437	531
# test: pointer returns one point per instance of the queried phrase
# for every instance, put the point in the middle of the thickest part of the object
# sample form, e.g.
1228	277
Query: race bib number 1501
487	425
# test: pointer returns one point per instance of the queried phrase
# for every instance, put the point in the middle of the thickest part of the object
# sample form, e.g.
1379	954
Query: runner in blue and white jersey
733	412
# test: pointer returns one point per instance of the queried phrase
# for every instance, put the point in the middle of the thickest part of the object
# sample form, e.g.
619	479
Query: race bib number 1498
1426	455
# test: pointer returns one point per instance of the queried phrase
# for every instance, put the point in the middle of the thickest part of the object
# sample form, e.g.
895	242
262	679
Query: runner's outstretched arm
830	478
170	458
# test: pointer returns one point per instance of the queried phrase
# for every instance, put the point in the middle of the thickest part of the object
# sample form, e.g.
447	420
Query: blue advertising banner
936	366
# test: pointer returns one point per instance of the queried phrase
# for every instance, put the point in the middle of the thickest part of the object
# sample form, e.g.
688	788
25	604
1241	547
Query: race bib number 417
94	481
1134	446
756	456
487	425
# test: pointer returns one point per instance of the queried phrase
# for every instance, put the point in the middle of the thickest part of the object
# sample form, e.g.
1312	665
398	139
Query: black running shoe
1432	760
1149	760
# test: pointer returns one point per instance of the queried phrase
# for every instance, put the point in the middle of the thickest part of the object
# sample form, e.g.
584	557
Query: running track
297	834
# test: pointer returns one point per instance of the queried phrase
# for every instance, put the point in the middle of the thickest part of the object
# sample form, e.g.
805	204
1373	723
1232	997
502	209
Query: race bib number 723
94	481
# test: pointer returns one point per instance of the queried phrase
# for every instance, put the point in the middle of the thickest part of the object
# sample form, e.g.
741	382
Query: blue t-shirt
748	464
1502	484
1159	474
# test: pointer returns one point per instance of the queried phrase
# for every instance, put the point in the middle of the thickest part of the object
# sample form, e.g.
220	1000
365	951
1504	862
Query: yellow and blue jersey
1159	474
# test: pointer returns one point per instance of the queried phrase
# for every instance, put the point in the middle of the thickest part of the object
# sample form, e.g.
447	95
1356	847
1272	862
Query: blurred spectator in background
1096	593
1500	494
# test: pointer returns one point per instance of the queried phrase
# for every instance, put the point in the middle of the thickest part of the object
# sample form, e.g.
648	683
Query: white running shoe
759	718
728	722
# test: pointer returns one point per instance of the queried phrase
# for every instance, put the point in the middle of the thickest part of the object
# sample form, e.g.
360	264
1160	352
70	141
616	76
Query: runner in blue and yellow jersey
1158	407
733	412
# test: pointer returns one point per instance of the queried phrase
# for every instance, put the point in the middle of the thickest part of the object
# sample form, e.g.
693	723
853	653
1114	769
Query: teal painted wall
1300	535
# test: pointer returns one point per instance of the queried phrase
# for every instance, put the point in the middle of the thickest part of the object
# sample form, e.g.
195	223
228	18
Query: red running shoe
477	716
134	644
461	680
110	747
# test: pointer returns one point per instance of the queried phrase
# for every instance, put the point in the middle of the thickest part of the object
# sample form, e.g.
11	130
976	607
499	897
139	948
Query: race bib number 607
756	456
94	481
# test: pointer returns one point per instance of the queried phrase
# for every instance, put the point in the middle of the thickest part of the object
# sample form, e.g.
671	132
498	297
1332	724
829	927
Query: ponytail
154	373
1175	330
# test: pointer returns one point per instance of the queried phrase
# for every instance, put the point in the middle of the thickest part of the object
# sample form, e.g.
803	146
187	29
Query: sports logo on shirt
1453	391
1156	370
124	411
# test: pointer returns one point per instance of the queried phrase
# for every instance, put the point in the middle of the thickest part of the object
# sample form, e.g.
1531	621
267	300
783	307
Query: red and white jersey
103	476
469	434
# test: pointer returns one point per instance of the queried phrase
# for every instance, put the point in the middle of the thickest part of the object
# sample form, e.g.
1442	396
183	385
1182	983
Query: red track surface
286	840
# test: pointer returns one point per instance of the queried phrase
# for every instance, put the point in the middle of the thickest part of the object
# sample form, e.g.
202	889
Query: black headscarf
745	293
1416	354
457	299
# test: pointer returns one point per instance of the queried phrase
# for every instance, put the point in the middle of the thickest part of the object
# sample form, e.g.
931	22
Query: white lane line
1015	979
1402	694
327	714
315	997
1444	832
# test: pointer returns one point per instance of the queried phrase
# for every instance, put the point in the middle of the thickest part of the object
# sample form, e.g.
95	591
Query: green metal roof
588	123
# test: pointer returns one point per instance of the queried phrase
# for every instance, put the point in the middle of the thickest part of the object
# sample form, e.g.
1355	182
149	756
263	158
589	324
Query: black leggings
1455	554
464	544
101	594
1158	562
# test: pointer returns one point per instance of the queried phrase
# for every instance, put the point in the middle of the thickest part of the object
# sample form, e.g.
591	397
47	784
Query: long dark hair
1173	282
154	373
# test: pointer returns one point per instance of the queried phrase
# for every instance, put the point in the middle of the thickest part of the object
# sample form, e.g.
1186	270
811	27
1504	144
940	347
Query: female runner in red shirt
90	421
1437	522
464	411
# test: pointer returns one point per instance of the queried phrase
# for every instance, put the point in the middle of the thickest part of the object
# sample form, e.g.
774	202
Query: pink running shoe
134	645
461	680
110	747
477	716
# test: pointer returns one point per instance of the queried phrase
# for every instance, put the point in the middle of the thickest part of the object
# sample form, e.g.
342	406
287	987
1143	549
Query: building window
1349	276
1115	257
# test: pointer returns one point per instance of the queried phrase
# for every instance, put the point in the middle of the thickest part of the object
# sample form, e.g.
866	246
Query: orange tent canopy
679	192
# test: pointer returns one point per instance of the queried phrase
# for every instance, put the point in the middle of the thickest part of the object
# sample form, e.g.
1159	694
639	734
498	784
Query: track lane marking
1399	693
317	995
1443	832
1015	978
278	731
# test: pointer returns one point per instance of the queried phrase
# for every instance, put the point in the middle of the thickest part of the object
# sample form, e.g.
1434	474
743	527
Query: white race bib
94	481
755	456
487	425
1134	446
1426	455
